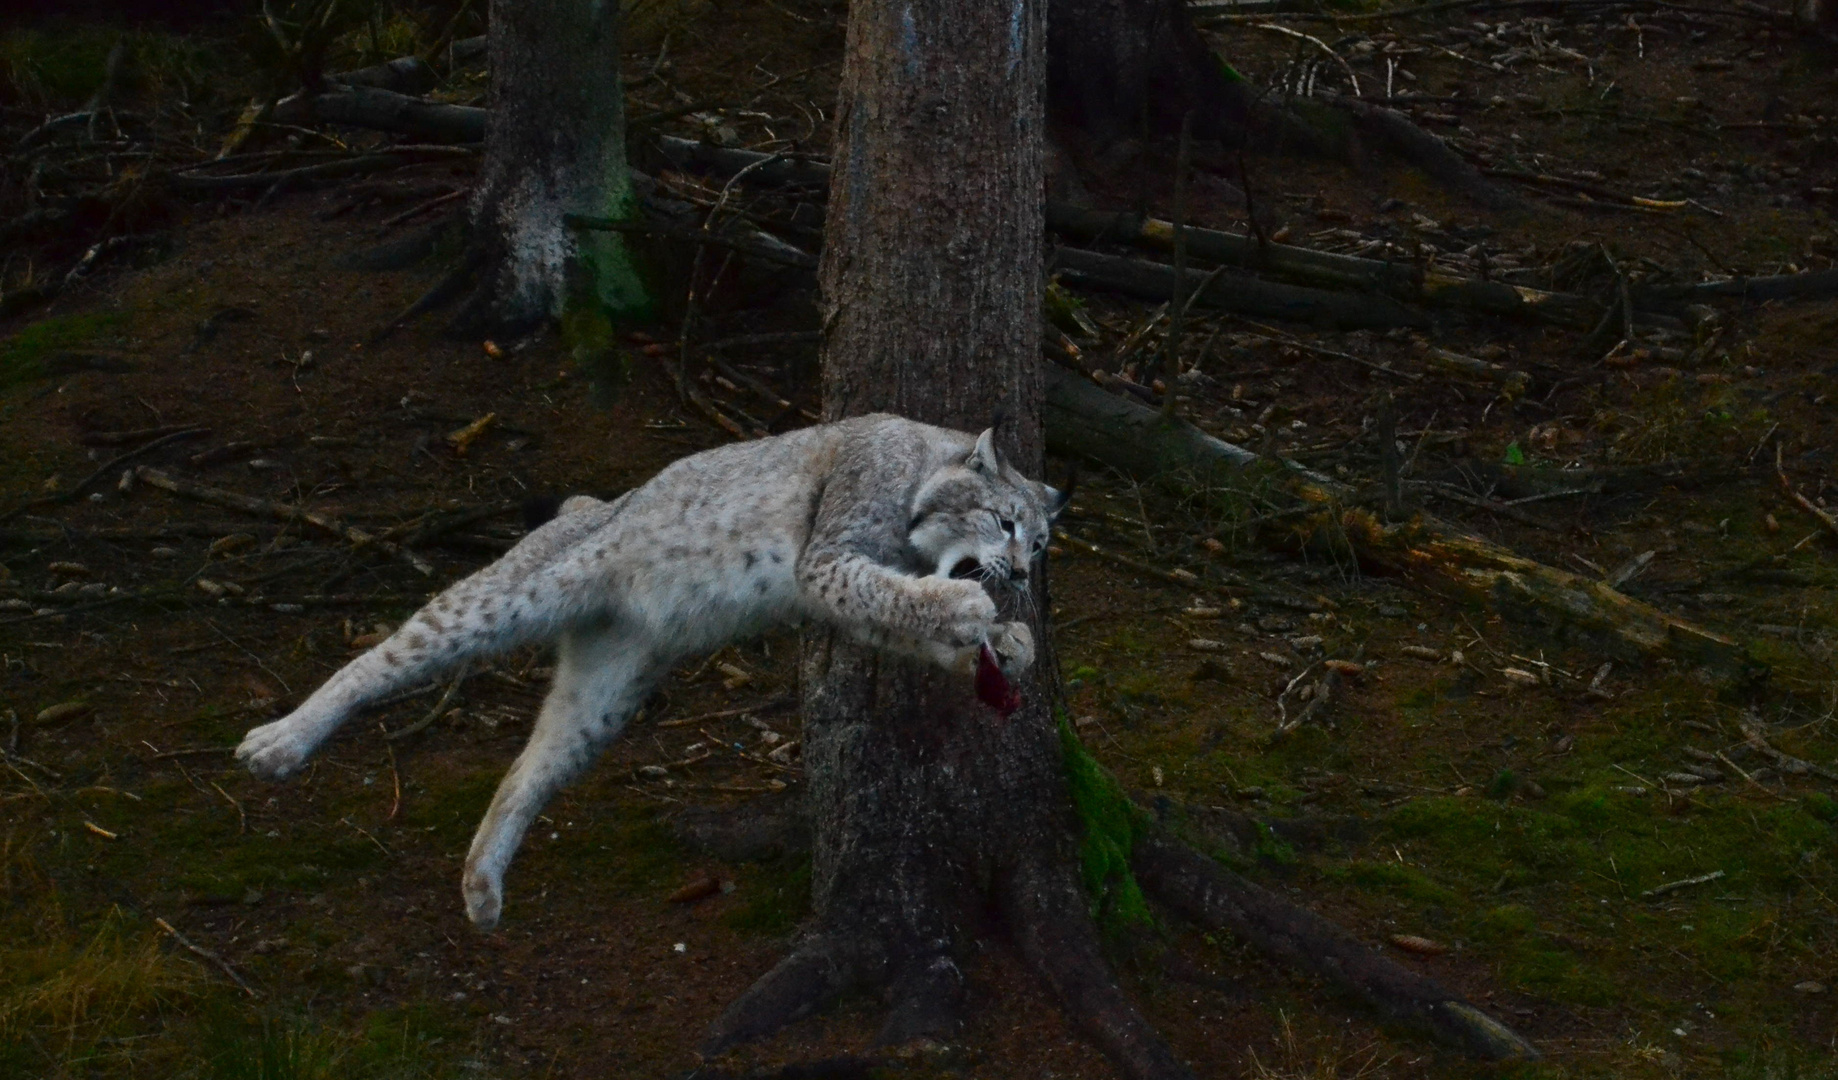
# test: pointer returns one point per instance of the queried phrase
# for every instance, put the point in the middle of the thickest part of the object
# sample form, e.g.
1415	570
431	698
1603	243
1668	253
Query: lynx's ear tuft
983	459
1056	500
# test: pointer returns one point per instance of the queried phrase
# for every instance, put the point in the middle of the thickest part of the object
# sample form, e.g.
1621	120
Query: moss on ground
1109	835
23	356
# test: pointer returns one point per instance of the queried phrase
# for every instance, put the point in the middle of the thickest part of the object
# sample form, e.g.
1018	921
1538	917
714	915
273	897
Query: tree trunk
928	808
555	145
1119	69
1816	14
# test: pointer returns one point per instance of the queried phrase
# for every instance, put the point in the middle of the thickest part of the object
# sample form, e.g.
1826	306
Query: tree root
811	977
1214	897
1411	143
928	998
445	292
1054	930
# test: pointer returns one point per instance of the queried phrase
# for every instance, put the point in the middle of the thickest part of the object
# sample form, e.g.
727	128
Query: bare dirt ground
1522	823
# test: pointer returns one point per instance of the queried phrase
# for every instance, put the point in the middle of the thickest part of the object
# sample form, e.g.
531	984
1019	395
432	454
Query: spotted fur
858	524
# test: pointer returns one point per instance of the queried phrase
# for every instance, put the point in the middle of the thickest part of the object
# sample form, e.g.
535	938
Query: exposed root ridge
444	292
805	981
1056	936
928	996
1213	896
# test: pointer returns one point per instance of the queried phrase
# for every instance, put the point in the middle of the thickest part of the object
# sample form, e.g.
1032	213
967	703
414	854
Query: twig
439	709
723	714
1352	77
421	208
1682	883
1801	501
208	955
365	833
192	752
1749	777
395	778
242	819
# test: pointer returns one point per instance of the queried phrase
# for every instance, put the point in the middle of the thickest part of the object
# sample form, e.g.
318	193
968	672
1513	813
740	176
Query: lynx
878	526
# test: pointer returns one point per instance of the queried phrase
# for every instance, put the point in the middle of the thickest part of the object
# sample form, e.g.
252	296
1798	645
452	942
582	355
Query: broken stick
1824	517
249	504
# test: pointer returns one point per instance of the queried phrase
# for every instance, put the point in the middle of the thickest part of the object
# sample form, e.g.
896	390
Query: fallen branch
385	110
266	508
356	165
1237	293
787	169
1815	285
1594	191
74	492
1787	763
1511	383
1214	897
746	241
1084	421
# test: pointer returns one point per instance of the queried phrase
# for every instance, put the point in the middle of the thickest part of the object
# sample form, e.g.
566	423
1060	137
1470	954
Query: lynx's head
981	518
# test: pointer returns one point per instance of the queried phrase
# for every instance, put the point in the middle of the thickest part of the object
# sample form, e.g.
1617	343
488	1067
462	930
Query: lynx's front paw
276	751
1013	644
966	611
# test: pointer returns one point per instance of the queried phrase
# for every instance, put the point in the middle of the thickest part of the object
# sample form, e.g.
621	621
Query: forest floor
1491	807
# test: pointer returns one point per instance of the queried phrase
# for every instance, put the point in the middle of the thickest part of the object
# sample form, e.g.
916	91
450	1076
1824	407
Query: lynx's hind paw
484	900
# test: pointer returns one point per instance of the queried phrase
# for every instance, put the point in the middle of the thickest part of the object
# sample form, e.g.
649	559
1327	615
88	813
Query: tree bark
555	145
927	807
1120	69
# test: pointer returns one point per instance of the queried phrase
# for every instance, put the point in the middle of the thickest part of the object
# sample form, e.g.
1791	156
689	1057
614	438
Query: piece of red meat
992	687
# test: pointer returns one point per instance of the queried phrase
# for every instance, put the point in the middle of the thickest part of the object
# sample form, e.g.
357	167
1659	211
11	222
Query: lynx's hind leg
601	678
527	595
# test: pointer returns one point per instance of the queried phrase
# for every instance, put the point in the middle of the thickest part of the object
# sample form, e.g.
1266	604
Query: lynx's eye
1008	526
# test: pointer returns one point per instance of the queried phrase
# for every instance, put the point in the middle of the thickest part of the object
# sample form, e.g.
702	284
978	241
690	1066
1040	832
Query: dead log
1239	293
385	110
404	75
1816	285
1325	269
1429	554
1212	896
